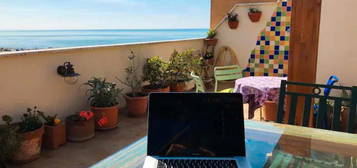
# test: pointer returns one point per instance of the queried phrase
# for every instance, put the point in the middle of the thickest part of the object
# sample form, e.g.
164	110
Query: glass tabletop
270	145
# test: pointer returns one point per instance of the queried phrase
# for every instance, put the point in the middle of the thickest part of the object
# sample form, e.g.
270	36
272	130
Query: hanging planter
233	21
254	14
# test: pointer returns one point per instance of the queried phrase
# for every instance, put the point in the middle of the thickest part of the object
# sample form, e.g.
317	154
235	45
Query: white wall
29	78
337	53
243	40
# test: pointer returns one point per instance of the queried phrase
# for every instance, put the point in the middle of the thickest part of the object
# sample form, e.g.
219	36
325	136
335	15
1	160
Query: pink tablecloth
258	89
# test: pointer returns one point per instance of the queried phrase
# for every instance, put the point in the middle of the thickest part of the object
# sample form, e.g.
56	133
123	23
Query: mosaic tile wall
271	54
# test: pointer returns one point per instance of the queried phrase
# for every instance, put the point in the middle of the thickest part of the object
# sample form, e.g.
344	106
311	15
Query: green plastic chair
200	87
226	73
316	89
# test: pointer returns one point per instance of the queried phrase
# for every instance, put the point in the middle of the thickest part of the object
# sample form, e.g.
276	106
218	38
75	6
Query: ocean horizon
41	39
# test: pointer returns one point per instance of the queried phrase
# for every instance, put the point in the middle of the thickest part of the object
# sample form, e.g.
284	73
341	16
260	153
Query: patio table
269	145
256	90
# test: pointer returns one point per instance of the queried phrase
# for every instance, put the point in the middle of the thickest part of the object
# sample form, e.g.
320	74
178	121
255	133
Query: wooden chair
200	87
323	105
226	73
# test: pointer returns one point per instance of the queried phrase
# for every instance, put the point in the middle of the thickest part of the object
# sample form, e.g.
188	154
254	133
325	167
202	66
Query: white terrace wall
243	40
337	43
29	78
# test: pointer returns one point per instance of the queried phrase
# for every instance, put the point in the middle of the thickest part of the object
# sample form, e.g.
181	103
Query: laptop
195	130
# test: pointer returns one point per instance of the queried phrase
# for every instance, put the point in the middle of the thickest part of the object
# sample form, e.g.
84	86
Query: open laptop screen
196	125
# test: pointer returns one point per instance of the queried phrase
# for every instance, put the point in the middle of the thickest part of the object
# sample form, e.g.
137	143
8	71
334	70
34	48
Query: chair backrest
322	107
200	87
232	72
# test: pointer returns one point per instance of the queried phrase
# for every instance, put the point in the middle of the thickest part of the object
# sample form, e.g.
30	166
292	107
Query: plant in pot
345	110
10	140
210	39
80	126
254	14
55	132
136	100
155	72
180	66
31	130
233	20
104	101
209	58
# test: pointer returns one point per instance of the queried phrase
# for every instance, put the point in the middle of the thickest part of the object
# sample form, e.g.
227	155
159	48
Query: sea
41	39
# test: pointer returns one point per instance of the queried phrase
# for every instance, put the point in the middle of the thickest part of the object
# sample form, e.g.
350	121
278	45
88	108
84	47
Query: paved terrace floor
104	144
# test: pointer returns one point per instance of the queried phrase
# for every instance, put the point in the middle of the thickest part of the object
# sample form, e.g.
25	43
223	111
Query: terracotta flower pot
178	87
211	42
137	106
78	131
270	110
54	136
110	114
255	17
210	61
233	24
30	148
149	89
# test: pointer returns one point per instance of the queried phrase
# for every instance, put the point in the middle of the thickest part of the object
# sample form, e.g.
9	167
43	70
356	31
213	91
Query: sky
103	14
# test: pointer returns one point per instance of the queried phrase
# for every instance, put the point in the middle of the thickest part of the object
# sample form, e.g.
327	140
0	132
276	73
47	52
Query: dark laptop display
196	125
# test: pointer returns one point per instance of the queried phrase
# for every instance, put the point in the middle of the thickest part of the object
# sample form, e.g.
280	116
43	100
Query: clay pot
211	42
149	89
178	87
233	24
30	148
255	17
137	106
78	131
209	61
111	115
54	136
270	110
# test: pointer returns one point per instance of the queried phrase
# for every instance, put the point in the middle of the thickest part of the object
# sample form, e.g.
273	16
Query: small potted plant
180	67
155	72
210	39
55	132
209	58
31	130
233	20
136	100
104	101
254	14
80	126
10	140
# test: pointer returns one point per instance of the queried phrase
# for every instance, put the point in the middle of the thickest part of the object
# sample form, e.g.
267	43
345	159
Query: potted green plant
345	110
233	20
104	101
10	140
80	126
254	14
210	39
31	130
136	100
55	132
155	72
209	58
180	66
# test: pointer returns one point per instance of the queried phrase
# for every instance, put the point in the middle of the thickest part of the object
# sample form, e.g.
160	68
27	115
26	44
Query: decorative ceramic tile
271	54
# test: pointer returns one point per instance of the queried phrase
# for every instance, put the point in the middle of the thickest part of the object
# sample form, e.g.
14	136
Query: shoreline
6	49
